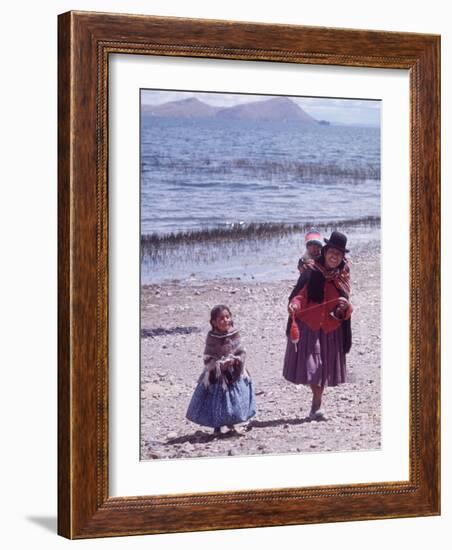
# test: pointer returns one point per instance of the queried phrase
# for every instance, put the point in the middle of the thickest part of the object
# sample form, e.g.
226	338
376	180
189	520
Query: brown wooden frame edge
85	41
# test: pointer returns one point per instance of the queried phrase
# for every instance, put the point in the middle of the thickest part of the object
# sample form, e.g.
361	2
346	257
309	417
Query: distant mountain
276	109
184	108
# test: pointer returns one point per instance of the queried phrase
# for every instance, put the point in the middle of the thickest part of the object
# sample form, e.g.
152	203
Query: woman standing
320	309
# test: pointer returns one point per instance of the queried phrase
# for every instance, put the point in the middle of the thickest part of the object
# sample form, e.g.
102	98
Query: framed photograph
248	285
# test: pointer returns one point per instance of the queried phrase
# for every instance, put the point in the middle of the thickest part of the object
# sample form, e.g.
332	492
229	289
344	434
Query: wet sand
174	324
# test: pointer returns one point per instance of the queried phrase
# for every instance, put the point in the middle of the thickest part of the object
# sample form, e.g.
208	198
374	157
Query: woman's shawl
340	276
224	359
341	279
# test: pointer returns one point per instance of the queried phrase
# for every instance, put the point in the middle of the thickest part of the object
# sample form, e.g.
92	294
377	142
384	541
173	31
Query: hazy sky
343	111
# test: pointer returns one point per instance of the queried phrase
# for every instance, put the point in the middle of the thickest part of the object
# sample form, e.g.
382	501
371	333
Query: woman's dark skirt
318	359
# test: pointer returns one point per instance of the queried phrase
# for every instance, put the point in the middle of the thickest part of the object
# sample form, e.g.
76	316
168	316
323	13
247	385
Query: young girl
224	395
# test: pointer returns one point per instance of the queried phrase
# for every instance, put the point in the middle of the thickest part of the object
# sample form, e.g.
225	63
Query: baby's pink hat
313	237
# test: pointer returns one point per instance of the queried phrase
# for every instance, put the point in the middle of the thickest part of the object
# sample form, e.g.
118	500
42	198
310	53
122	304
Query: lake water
209	174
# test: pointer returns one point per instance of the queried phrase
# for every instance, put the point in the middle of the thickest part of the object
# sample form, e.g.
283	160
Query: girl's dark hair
316	285
215	312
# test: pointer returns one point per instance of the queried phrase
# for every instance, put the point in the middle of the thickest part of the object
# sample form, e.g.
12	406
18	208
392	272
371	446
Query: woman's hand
342	304
341	307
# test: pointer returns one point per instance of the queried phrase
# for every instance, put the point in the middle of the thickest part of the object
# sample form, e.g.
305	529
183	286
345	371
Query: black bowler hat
337	240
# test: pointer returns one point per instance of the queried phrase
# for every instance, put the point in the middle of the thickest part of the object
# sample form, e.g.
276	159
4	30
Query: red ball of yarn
294	331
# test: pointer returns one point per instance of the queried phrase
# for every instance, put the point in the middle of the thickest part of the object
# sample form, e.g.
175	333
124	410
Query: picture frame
85	508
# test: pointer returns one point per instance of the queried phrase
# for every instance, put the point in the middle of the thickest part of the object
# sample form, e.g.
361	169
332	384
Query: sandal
319	414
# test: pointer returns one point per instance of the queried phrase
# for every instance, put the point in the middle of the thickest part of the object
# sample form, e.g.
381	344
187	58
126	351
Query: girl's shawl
224	359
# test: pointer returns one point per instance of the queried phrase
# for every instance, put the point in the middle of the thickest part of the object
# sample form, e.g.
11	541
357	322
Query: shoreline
174	324
252	259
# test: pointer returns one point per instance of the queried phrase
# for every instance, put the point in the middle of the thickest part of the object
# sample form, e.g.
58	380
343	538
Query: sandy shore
175	321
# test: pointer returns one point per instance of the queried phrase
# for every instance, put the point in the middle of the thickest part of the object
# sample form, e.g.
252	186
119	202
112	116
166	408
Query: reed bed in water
269	169
153	245
308	170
